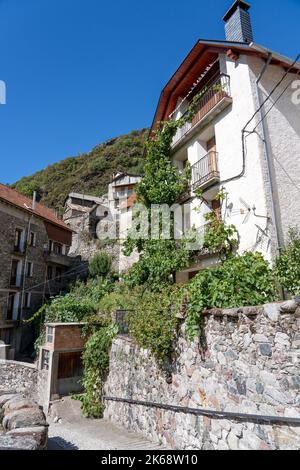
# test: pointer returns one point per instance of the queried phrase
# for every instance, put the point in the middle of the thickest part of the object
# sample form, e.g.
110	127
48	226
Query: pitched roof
87	197
16	199
120	175
202	54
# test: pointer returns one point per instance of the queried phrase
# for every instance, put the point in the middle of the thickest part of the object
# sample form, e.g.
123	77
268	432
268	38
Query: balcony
215	99
205	172
56	258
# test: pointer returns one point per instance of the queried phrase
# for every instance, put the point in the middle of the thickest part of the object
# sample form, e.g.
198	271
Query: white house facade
244	138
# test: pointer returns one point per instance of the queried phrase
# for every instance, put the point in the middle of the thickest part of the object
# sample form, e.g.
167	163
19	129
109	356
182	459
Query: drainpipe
275	215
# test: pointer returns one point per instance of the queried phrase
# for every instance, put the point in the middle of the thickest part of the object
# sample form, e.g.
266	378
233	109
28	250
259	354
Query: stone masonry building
34	247
102	223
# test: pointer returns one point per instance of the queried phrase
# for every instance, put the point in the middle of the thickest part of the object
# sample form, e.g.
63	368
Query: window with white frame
19	240
32	239
45	359
27	300
29	269
50	334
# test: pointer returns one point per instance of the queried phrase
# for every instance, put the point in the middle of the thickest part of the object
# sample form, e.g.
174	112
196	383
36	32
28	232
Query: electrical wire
273	90
4	299
275	102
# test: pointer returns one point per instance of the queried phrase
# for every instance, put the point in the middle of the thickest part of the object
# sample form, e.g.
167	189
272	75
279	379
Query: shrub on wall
287	265
240	281
100	265
121	298
81	304
158	263
154	324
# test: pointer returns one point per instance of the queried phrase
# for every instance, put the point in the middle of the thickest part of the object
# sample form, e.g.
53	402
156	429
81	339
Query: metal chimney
238	26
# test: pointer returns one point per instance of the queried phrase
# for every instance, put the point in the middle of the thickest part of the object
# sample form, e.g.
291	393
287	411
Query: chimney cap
238	3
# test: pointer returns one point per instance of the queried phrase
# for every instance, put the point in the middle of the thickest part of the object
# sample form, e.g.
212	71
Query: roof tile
11	196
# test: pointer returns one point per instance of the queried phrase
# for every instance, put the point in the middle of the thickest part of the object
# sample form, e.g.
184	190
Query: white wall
227	128
282	127
250	187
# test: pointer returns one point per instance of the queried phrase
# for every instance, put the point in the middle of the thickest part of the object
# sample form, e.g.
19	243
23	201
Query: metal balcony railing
214	93
205	171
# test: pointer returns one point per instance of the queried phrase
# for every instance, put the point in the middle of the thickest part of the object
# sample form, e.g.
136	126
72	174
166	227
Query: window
45	359
15	277
50	334
18	239
57	248
49	273
32	239
10	306
27	300
13	306
58	274
29	269
50	246
217	208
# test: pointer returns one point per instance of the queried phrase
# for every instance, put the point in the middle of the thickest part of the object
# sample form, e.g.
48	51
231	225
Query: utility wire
275	102
66	274
274	89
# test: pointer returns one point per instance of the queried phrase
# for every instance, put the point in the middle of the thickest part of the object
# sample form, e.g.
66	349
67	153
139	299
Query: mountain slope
88	173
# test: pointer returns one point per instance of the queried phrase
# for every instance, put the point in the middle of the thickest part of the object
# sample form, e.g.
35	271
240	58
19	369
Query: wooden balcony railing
215	95
205	172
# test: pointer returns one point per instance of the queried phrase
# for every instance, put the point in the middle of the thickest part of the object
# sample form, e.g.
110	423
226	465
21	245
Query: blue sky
81	71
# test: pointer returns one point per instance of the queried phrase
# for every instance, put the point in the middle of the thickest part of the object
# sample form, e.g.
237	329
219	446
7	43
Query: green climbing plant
96	368
163	183
287	265
240	281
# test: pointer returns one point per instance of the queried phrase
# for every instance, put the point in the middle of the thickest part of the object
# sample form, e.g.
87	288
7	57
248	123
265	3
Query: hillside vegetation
87	173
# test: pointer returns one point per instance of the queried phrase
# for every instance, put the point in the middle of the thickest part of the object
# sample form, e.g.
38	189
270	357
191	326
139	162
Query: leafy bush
80	305
241	281
158	263
219	237
100	265
122	298
287	266
154	324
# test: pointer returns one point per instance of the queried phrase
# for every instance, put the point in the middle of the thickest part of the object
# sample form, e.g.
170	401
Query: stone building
35	265
102	223
82	213
243	138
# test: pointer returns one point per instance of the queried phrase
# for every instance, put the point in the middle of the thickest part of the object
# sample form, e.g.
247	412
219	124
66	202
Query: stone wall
18	377
23	424
247	361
